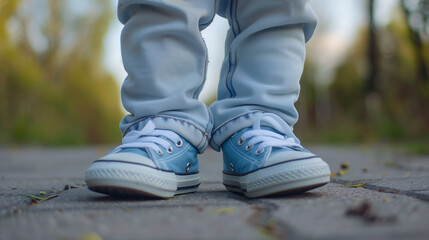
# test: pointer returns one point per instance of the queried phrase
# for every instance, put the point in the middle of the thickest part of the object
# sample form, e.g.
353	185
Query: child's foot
259	161
151	162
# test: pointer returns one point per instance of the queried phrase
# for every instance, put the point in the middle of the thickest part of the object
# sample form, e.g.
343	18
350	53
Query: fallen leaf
90	236
341	173
386	199
332	175
223	210
42	193
344	165
384	190
355	185
36	199
359	210
33	201
365	211
268	230
365	170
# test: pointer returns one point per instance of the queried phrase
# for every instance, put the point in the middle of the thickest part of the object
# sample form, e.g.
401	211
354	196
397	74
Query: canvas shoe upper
149	161
260	161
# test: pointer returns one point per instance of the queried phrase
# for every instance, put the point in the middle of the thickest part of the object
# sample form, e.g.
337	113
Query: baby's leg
254	114
166	58
264	59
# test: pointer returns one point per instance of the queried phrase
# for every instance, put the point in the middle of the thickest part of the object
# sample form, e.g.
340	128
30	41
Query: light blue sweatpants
166	60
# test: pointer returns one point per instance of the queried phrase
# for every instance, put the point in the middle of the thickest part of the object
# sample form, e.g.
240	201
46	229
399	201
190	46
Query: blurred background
366	78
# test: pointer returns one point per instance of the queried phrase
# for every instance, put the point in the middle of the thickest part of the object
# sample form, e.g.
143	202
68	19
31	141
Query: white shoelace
149	137
267	138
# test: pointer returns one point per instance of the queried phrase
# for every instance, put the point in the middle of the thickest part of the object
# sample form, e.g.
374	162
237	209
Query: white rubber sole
284	178
132	180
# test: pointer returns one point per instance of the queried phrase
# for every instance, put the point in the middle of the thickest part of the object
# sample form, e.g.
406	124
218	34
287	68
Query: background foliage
56	92
380	91
54	88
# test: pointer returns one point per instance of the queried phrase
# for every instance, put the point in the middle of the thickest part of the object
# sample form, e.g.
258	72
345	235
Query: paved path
389	200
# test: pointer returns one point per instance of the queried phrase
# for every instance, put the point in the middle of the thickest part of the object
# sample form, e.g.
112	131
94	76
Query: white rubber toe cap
287	156
128	157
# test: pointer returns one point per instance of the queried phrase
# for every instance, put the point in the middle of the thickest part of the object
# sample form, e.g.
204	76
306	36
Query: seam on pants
235	28
231	71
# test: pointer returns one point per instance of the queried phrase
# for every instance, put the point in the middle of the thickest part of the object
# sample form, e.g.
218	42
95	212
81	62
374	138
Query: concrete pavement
379	193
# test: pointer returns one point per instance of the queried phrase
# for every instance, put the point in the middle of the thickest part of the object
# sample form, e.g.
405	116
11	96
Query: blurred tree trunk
417	43
416	32
373	61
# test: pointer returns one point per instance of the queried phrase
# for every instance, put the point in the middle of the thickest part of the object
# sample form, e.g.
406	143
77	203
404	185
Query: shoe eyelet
159	152
179	143
188	167
259	152
240	142
170	150
248	148
233	135
232	167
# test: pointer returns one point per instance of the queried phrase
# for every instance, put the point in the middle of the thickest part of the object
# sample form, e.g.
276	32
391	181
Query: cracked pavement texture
396	189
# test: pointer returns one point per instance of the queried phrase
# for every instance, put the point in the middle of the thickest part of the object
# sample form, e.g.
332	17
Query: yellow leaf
355	185
90	236
224	210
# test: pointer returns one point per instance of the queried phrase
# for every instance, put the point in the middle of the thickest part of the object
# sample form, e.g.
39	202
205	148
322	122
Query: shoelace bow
267	138
150	137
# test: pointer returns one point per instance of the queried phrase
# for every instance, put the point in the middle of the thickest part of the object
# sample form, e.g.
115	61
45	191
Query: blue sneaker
259	161
151	162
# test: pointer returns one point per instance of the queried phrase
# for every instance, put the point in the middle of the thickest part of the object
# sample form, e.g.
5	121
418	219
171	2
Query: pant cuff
226	129
197	136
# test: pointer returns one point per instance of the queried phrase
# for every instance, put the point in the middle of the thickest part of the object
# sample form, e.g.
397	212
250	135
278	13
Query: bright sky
339	22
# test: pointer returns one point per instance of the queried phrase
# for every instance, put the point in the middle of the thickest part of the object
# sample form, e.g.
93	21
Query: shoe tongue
139	151
281	149
139	125
273	126
271	129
